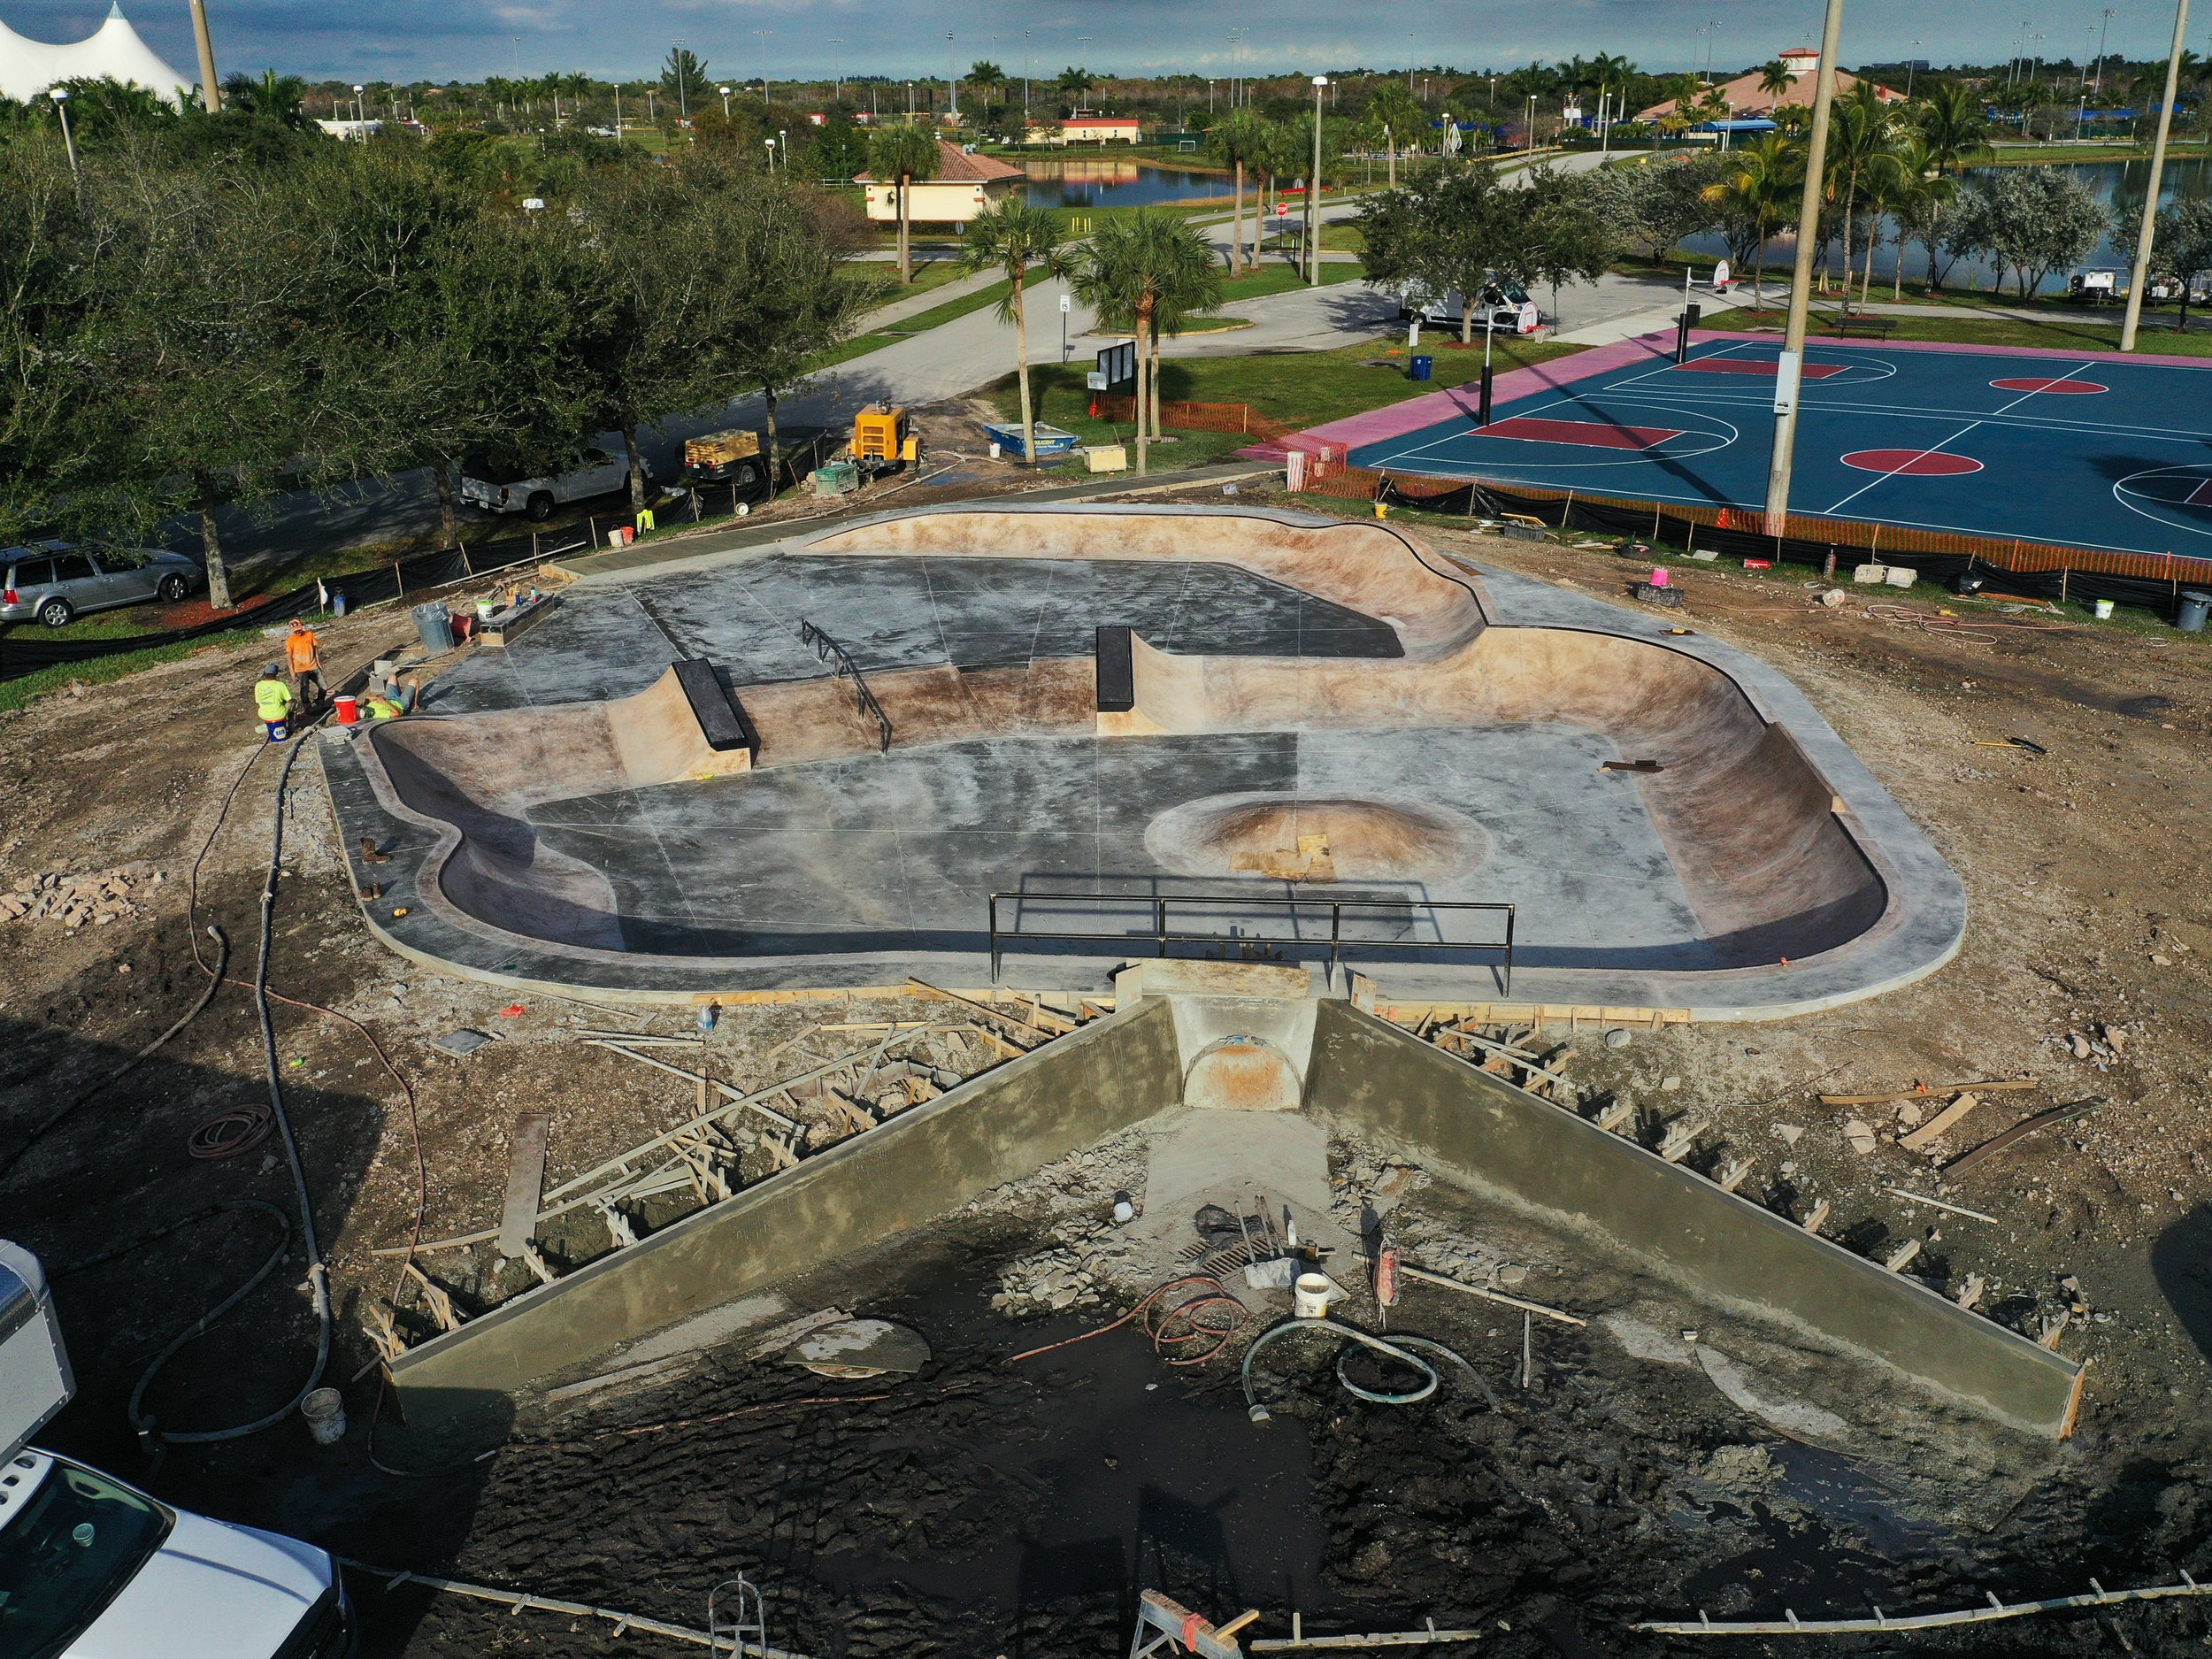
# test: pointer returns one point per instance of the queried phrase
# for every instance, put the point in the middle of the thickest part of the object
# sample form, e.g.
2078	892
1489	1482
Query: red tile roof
955	166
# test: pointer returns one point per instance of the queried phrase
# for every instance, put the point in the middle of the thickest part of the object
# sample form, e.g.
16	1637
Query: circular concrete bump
860	1347
1316	838
1912	463
1247	1074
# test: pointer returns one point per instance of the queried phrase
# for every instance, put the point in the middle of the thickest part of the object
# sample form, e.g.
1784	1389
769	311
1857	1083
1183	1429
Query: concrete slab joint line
1364	1079
1330	716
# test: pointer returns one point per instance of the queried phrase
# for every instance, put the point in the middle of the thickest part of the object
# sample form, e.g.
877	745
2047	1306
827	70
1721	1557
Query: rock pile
91	900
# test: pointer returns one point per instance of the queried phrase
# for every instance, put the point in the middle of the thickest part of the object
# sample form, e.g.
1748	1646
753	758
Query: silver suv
498	490
55	580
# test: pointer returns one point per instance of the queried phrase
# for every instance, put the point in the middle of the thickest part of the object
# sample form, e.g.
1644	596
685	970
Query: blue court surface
2102	453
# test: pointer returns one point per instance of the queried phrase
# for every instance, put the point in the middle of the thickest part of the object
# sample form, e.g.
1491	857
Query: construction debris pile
91	900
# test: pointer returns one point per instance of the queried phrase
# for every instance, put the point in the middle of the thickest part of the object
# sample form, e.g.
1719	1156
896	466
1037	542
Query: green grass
21	694
1301	388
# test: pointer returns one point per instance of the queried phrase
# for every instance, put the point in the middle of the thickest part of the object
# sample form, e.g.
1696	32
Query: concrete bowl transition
1303	710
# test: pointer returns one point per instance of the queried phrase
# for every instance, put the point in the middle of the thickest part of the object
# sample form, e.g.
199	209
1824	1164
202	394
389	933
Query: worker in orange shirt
304	655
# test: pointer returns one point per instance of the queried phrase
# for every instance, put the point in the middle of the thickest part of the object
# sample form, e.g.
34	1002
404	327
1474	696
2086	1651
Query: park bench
1858	323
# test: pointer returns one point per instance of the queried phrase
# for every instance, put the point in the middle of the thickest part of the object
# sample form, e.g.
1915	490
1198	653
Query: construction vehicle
884	440
723	457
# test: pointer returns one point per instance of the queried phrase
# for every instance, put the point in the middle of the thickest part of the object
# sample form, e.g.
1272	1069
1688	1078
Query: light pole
1788	370
211	93
652	115
771	153
910	103
1413	42
2096	90
617	111
60	95
360	117
761	36
952	81
1026	83
837	70
2142	270
1532	121
724	91
1911	64
683	79
1709	29
1313	192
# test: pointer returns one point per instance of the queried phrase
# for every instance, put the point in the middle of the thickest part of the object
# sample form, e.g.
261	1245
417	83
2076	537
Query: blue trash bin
2190	618
1423	365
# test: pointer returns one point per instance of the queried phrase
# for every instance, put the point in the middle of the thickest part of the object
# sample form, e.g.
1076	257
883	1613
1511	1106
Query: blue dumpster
1422	366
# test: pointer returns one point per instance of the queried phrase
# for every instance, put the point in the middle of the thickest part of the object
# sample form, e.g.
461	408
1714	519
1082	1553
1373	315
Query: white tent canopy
113	51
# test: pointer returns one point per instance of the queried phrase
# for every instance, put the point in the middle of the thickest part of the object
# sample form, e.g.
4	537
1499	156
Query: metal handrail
1162	935
825	647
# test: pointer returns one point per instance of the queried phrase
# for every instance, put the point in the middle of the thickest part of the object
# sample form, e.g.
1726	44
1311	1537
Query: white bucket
2104	609
325	1410
1310	1296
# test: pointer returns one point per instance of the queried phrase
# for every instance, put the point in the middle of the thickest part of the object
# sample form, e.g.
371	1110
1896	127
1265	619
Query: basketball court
2079	450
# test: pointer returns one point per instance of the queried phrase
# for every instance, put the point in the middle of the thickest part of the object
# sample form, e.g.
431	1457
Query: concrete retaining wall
1482	1133
931	1159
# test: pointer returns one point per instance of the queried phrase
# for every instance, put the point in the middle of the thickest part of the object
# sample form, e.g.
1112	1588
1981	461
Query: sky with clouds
441	40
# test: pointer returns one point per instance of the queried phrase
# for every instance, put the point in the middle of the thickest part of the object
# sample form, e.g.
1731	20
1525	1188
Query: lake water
1110	181
2121	184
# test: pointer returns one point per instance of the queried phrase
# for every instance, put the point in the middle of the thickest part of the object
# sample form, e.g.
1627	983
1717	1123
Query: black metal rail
826	647
1161	935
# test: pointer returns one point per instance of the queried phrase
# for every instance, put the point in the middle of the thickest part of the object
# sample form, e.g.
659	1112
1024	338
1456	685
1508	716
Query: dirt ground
988	1510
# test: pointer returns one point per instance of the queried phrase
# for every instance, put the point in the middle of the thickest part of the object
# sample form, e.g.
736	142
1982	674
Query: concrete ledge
1470	1128
924	1162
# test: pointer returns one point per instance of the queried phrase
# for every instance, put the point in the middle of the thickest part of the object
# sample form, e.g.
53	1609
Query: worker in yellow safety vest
272	702
377	706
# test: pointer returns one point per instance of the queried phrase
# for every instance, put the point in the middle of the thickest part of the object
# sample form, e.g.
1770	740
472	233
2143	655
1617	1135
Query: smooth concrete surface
1371	1079
1292	674
926	1162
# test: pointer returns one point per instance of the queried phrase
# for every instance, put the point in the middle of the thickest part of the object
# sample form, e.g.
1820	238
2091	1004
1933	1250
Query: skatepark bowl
1025	745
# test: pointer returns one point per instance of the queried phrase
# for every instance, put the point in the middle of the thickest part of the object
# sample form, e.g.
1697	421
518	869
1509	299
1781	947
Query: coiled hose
149	1434
1406	1350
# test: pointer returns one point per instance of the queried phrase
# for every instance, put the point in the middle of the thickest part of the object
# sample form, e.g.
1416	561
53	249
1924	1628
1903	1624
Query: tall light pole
60	95
360	117
2097	88
683	76
617	111
1313	192
1413	43
761	36
211	94
1709	29
1911	64
1025	83
952	81
2143	237
837	70
1788	370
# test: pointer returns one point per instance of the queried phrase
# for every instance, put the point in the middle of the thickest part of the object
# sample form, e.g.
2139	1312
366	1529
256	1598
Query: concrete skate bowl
1680	831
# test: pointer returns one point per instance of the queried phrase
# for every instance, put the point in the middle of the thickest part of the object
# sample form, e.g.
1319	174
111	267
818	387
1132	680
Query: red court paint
1912	463
2028	383
1589	435
1746	365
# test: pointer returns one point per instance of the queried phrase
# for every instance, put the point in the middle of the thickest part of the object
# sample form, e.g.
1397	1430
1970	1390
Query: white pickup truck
92	1569
497	490
1504	306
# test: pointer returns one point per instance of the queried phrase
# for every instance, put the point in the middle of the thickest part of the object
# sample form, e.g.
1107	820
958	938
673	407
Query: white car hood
213	1590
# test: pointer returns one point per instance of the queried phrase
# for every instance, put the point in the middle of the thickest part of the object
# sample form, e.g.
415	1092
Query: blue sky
405	39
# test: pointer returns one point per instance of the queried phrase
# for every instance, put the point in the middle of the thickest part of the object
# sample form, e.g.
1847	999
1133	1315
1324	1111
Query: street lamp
1313	192
60	95
360	120
1911	64
724	91
952	82
761	36
1025	84
2097	87
771	153
837	70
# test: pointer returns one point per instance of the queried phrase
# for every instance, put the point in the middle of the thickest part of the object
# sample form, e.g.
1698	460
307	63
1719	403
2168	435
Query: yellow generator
884	440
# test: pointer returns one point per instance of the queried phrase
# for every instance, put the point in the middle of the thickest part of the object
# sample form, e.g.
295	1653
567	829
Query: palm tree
1883	189
905	154
1759	189
1239	140
274	98
986	78
1012	237
1393	105
1075	84
1951	121
1135	271
1860	131
1922	193
1775	78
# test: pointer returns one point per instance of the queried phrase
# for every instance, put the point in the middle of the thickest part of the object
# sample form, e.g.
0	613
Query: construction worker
377	706
273	703
305	652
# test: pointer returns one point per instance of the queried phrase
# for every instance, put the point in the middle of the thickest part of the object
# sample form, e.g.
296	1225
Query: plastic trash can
434	623
2190	618
1422	366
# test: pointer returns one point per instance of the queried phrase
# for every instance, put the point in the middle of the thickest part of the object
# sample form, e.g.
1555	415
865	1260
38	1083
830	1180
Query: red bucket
347	708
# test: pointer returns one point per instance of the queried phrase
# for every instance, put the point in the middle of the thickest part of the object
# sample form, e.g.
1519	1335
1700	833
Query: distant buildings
1085	129
1747	98
110	52
965	185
